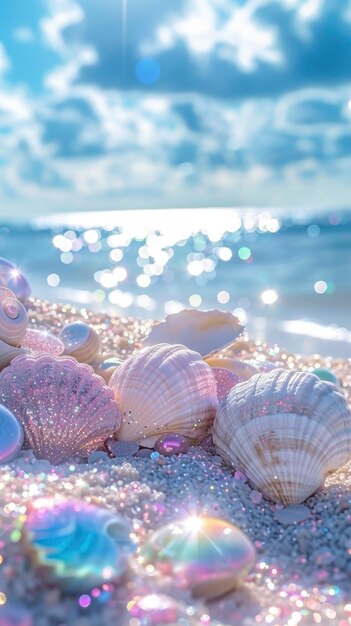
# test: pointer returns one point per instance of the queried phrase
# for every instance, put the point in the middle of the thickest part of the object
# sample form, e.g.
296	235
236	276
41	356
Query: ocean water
287	277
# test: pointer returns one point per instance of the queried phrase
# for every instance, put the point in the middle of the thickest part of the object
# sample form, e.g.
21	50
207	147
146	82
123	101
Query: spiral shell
286	430
205	332
64	408
77	545
12	278
164	389
81	341
13	318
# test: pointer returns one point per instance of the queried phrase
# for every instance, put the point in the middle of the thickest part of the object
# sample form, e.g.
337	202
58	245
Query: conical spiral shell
164	388
64	408
13	318
81	341
286	430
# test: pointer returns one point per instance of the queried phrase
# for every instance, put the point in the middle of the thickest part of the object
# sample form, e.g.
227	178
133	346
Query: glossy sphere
11	435
77	545
106	367
206	555
157	610
170	444
225	379
81	341
12	278
41	342
327	375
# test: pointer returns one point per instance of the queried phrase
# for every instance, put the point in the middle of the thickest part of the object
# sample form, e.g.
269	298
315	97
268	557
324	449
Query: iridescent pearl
81	341
171	443
206	555
11	435
41	342
77	545
157	610
225	379
325	374
12	278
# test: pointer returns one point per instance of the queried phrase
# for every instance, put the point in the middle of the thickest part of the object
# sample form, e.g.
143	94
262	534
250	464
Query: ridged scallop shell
64	408
164	389
81	341
205	332
286	430
77	545
13	318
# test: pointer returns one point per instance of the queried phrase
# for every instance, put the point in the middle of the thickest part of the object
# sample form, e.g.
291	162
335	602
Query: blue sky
174	103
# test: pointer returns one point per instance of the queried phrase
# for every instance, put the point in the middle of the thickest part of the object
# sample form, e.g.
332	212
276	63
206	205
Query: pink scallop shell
41	342
64	408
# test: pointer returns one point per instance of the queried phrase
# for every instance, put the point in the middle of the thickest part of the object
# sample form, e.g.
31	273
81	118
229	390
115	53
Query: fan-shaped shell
13	318
77	545
164	389
81	341
64	408
286	430
203	331
12	278
42	342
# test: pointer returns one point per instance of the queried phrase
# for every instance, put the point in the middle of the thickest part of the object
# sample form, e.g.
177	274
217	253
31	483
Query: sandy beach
302	572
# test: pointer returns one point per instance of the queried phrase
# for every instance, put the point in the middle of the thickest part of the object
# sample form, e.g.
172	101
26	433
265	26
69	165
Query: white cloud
22	34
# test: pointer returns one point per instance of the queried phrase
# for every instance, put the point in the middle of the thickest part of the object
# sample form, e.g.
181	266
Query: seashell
286	431
164	389
42	342
206	555
77	545
13	318
12	278
81	341
205	332
8	353
106	366
263	365
64	408
240	368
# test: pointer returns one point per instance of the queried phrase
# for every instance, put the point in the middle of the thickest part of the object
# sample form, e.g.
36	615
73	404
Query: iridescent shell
286	431
12	278
64	408
81	341
206	555
42	342
8	353
164	389
205	332
13	318
77	545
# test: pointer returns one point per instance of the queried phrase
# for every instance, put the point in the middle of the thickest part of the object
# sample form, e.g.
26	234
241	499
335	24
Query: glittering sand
303	568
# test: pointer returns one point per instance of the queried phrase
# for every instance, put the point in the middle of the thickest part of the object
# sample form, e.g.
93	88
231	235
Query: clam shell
12	278
64	408
81	341
205	332
286	430
164	389
239	368
13	318
8	353
42	342
77	545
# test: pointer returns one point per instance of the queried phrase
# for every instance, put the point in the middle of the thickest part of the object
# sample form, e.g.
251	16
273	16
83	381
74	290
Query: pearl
206	555
157	610
11	436
170	444
327	375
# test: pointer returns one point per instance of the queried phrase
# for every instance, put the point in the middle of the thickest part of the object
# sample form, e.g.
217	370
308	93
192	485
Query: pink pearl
170	444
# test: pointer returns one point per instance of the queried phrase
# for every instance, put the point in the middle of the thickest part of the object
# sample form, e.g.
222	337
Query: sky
124	104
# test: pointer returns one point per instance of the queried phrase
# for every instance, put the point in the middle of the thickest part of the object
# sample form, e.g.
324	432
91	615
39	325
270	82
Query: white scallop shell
164	388
205	332
81	341
286	430
13	318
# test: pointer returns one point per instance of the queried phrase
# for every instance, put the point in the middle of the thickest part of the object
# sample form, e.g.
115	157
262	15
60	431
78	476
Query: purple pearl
170	444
